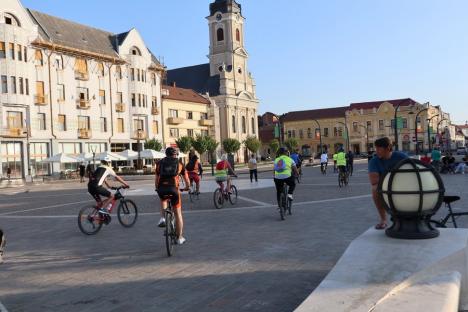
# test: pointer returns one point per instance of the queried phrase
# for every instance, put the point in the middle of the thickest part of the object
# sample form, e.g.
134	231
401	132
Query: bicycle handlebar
120	187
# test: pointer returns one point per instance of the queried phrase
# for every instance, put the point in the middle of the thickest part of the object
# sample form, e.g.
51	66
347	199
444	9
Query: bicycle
170	228
323	168
343	178
90	219
221	195
193	194
452	216
299	176
285	203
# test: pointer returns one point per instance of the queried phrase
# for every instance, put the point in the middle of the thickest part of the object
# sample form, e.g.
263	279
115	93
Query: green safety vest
287	172
341	159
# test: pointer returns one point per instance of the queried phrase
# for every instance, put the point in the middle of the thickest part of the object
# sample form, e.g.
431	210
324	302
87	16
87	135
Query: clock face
219	17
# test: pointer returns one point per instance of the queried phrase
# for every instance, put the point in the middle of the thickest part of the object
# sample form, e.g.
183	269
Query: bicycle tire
169	233
88	215
233	196
340	180
437	224
281	205
126	207
191	196
346	180
218	198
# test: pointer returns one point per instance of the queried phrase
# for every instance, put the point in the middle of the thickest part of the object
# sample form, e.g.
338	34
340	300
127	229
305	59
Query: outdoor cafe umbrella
111	156
129	154
84	157
151	154
61	158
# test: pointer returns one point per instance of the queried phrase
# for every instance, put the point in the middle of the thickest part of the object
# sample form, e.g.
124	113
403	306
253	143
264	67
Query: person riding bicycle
350	162
334	162
167	183
194	171
285	170
97	179
341	162
324	161
223	172
297	159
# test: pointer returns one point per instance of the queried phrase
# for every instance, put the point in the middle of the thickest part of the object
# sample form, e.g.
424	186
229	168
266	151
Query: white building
67	87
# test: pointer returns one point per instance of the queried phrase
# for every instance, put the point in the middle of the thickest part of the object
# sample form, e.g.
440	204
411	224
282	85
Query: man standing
253	168
81	169
384	160
436	155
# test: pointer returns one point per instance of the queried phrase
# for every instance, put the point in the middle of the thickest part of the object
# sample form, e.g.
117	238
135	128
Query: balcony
175	120
40	99
14	132
82	104
81	76
154	111
84	133
139	135
120	107
206	122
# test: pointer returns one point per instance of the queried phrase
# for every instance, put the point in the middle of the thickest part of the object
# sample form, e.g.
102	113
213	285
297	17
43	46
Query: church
225	80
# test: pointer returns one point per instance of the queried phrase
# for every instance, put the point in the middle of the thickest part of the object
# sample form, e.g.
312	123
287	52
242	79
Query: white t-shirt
324	158
252	163
103	172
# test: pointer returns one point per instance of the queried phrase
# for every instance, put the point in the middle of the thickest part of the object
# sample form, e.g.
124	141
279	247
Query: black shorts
173	192
96	191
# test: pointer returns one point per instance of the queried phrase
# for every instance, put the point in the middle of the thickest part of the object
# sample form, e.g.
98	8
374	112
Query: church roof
186	95
195	77
225	6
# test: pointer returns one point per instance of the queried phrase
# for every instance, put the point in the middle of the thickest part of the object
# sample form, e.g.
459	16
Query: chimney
174	84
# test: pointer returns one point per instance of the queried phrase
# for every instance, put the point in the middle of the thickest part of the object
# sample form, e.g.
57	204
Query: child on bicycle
223	172
167	183
97	179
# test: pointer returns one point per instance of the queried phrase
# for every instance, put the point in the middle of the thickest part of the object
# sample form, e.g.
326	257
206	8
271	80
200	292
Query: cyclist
167	183
334	162
324	161
97	179
341	161
285	171
350	160
223	172
297	159
194	172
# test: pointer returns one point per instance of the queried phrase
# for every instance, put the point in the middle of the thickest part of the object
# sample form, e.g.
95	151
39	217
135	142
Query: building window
83	122
174	133
41	118
381	125
21	85
10	19
11	47
138	125
301	134
155	127
238	35
101	69
62	123
138	74
135	51
103	124
20	52
14	120
61	92
189	115
81	67
289	134
82	94
309	133
204	133
220	34
203	116
153	79
4	84
254	129
13	84
139	100
294	133
38	58
190	133
39	152
120	125
2	50
27	86
145	100
26	54
154	102
133	99
119	97
40	98
233	121
102	97
355	127
369	126
173	113
405	123
58	63
118	72
244	125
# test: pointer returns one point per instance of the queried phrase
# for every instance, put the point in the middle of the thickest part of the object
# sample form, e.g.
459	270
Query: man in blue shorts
384	160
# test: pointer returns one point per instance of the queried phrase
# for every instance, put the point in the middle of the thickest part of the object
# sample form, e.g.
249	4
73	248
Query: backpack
190	166
169	168
221	165
280	165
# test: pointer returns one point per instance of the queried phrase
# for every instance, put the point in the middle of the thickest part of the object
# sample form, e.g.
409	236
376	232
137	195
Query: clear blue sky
310	54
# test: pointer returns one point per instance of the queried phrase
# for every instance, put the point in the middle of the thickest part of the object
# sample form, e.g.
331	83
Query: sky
307	54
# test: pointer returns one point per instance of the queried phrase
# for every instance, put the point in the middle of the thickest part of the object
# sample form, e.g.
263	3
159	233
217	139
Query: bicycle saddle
451	199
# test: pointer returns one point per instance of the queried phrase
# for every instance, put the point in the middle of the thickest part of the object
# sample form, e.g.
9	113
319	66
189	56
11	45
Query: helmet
107	159
283	151
170	151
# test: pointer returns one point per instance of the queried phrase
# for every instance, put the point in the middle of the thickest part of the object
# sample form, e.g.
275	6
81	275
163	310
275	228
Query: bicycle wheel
282	204
437	224
233	195
340	180
218	198
169	233
89	220
289	206
346	179
127	213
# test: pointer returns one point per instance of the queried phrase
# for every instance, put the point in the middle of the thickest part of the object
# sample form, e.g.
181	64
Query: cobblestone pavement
240	258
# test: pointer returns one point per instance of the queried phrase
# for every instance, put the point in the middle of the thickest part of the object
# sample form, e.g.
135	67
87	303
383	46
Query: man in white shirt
253	168
324	161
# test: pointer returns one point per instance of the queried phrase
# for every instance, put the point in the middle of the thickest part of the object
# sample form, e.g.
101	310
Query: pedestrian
384	160
253	168
89	170
8	173
436	155
82	172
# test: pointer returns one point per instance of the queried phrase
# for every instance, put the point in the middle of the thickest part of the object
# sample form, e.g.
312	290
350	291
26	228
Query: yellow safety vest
287	171
341	159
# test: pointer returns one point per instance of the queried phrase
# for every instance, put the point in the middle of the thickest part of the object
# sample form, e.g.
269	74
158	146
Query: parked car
462	151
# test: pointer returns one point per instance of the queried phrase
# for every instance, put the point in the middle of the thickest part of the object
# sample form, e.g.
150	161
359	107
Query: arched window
135	51
244	126
101	69
233	124
220	34
10	19
238	35
38	58
118	72
253	125
58	63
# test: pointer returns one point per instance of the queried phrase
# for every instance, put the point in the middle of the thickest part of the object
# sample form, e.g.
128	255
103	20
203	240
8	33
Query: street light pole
428	130
416	128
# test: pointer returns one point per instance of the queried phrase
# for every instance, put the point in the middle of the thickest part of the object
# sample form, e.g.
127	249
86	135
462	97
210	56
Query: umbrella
61	158
129	154
84	157
151	154
111	156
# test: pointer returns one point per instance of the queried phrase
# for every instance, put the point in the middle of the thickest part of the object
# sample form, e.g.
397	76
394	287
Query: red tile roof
324	113
376	104
186	95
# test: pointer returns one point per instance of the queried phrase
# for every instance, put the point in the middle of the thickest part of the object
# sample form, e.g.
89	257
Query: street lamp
320	132
416	128
347	133
139	148
367	136
428	130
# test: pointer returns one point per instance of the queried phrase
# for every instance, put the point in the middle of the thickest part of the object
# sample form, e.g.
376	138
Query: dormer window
10	19
135	51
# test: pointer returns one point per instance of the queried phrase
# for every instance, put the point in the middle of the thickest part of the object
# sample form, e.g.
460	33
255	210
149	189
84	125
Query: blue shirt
380	166
296	158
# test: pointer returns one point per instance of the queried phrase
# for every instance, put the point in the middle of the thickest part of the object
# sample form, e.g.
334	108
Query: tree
184	144
211	146
274	146
291	144
231	146
153	144
200	144
253	144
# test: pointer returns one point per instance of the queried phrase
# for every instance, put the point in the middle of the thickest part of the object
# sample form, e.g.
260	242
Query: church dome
225	6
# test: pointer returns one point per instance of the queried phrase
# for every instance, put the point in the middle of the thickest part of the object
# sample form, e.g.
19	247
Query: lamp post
416	128
438	125
93	149
28	149
367	136
347	133
428	130
320	133
139	148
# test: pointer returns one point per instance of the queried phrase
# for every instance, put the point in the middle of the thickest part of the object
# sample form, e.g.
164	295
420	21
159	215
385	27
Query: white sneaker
290	197
181	241
162	222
